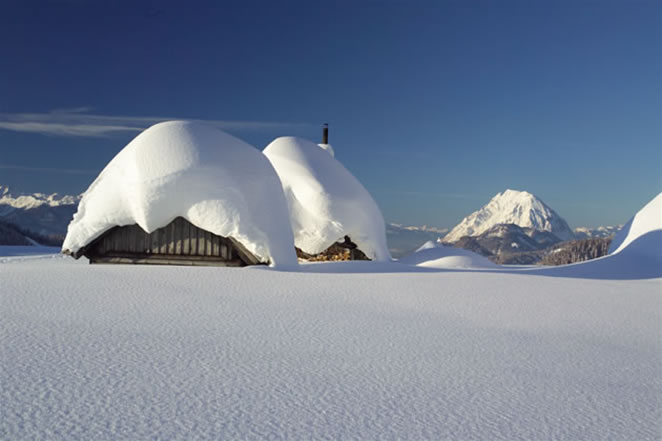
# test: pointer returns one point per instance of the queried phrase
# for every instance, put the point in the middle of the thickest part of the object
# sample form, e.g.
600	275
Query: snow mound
642	229
178	168
512	207
325	200
435	255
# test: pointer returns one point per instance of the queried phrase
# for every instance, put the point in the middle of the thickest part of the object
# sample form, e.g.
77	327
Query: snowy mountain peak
512	207
34	200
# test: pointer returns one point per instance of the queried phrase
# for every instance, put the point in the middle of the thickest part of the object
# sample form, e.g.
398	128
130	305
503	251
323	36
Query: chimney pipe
325	133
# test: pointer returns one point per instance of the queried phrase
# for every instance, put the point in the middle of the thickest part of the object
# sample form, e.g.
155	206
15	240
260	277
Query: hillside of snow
646	223
512	207
112	352
417	349
436	255
214	180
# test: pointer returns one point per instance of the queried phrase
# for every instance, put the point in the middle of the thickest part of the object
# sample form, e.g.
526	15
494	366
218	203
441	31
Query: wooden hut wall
345	250
179	242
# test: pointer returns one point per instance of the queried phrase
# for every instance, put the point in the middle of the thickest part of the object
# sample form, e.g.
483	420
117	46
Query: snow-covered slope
214	180
125	352
644	226
435	255
325	200
512	207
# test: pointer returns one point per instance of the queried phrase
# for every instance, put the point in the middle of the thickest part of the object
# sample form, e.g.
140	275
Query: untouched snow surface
436	255
177	168
647	222
117	352
326	201
512	207
350	350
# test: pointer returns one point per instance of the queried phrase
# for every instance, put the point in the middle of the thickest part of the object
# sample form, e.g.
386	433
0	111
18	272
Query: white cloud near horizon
78	123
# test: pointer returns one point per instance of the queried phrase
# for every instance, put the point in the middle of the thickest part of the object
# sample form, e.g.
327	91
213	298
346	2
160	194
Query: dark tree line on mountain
510	244
11	234
576	251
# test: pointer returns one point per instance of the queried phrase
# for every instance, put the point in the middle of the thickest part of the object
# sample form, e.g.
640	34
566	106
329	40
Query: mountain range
38	217
512	222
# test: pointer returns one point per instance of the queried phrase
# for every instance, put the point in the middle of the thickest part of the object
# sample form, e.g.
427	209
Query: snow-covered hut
332	214
184	193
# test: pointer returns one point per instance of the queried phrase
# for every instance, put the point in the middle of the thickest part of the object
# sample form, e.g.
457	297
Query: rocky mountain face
507	238
519	208
41	217
516	227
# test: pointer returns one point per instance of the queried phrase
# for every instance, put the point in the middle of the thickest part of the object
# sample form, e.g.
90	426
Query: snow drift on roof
326	201
214	180
642	227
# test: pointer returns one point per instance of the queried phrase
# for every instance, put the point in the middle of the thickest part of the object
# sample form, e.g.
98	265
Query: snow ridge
512	207
647	222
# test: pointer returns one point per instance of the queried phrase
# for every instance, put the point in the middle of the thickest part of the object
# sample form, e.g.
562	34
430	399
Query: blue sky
435	106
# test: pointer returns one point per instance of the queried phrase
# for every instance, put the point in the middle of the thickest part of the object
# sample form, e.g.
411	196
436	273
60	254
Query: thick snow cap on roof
643	231
178	168
326	201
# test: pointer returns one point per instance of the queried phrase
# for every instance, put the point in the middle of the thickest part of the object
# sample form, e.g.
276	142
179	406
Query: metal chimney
325	133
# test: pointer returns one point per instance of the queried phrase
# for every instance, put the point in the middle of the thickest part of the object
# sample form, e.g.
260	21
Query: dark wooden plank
99	247
171	238
132	244
186	242
163	240
194	240
155	242
208	244
147	241
216	243
201	242
117	240
179	225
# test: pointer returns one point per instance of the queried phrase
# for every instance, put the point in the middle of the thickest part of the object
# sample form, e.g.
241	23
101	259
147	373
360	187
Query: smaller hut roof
178	168
325	200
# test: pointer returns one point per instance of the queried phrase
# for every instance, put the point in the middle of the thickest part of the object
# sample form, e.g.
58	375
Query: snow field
138	352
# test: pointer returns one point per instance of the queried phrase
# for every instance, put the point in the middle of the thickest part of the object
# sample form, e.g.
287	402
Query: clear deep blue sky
435	106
